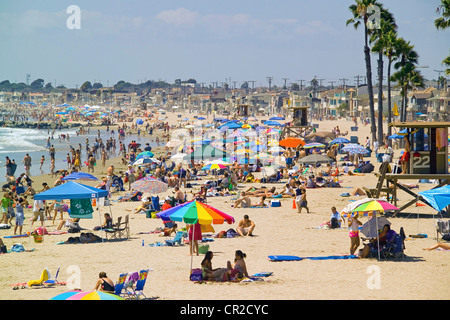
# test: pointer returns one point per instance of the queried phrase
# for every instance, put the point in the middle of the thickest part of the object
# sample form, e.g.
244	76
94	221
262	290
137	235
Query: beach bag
196	275
231	233
3	249
203	249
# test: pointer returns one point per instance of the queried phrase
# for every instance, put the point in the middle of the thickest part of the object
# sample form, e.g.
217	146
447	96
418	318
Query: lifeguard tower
428	158
299	125
242	112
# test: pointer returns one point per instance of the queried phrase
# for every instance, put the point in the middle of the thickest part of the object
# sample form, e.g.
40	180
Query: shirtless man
245	227
109	176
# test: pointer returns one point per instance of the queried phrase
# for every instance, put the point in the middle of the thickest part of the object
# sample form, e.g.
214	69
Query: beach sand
279	231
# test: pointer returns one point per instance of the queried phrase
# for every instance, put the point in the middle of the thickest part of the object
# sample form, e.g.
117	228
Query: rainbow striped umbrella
375	205
195	212
314	145
86	295
213	166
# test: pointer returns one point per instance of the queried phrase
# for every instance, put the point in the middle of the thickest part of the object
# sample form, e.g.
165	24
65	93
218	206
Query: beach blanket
295	258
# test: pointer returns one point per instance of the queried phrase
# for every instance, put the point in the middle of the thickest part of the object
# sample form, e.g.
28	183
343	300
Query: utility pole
28	79
253	84
332	82
285	80
439	76
301	84
343	82
269	79
358	78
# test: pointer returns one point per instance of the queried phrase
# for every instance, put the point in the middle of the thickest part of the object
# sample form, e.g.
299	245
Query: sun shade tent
74	191
71	190
439	198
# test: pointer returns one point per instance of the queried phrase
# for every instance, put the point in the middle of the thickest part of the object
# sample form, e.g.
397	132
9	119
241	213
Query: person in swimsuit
208	273
58	207
239	268
354	224
104	283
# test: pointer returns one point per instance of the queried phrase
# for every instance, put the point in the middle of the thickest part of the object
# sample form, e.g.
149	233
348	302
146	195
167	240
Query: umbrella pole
378	236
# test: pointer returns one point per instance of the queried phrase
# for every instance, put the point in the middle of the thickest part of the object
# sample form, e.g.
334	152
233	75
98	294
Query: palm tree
443	23
378	37
406	76
390	43
361	14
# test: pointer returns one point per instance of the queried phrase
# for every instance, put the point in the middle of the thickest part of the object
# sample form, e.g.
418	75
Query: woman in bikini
239	267
354	224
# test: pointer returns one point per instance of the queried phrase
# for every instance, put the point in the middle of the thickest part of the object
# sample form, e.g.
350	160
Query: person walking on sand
301	201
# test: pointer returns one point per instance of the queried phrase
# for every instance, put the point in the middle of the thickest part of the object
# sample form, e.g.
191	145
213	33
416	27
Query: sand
279	231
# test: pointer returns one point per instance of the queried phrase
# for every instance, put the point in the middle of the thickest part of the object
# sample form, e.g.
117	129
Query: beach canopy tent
205	152
439	198
80	196
71	190
80	176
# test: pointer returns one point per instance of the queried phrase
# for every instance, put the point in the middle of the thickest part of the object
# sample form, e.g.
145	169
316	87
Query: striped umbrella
88	295
149	185
194	212
375	205
214	166
355	149
144	154
314	145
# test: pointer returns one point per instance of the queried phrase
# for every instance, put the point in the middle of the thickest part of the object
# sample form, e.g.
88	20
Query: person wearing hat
166	204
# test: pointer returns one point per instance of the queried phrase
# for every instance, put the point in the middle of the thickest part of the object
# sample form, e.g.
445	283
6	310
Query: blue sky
207	40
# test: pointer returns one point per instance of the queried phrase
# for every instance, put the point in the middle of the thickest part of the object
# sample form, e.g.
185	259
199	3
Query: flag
395	110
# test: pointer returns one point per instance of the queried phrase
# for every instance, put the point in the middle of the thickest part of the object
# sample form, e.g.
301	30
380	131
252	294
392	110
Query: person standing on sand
27	163
354	224
109	176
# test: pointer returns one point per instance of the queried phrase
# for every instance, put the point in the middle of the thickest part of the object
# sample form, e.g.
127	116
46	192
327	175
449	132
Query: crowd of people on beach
297	179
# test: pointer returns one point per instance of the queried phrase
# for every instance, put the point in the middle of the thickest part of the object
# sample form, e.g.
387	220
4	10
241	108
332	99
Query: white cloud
178	17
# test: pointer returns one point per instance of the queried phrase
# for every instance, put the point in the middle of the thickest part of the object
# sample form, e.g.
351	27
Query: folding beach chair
119	285
176	240
53	282
138	291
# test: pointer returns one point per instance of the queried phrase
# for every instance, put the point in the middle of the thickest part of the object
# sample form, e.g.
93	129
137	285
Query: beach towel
81	208
295	258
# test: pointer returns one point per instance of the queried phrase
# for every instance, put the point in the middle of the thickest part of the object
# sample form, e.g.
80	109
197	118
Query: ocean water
16	143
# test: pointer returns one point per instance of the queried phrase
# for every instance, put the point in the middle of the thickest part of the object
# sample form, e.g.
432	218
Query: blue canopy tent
71	190
79	176
80	197
439	198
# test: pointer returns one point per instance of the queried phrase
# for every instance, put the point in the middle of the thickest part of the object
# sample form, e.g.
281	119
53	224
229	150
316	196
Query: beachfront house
438	107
